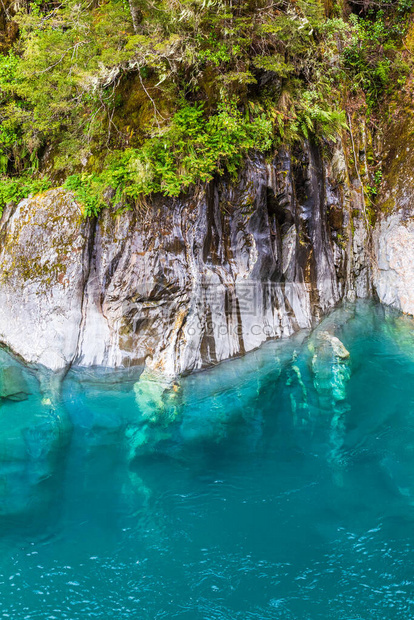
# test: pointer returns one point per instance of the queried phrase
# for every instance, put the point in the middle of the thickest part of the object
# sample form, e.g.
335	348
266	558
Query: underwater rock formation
330	369
33	431
13	385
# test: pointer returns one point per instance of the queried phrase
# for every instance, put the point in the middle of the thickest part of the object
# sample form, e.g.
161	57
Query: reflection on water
279	485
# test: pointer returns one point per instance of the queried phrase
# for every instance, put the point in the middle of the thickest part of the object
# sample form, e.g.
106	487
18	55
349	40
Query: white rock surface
394	262
43	269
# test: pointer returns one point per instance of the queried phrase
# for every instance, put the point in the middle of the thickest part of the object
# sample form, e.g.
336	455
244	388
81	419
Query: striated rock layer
186	282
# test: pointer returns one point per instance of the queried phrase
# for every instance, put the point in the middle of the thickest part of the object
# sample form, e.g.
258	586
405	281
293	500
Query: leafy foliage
144	97
371	54
17	188
194	148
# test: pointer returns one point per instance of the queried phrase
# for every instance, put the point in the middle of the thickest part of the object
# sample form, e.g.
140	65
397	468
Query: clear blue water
280	485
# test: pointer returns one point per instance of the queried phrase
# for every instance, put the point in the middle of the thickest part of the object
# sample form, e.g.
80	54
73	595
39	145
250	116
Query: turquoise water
280	485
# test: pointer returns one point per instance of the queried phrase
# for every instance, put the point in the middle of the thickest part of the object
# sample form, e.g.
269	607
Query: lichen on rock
44	246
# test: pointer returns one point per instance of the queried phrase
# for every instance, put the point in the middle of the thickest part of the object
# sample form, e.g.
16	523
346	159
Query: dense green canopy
142	96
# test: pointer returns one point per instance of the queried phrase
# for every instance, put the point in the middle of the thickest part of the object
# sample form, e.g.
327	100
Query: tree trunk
135	14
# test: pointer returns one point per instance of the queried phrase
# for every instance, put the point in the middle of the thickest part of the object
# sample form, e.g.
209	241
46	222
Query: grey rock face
184	283
43	269
393	237
394	268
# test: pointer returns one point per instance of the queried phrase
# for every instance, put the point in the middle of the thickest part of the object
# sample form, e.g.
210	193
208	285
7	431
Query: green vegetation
14	189
191	149
118	99
372	56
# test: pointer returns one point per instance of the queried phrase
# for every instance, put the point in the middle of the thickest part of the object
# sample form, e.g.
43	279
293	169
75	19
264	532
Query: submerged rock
175	416
157	397
331	374
330	370
13	385
33	434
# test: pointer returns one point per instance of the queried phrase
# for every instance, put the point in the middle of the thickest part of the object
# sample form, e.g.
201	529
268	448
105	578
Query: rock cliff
393	235
181	284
